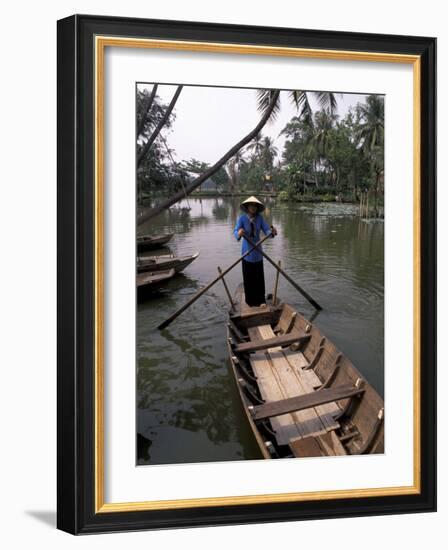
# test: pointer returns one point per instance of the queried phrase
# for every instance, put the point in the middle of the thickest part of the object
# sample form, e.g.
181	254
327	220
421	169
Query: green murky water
188	408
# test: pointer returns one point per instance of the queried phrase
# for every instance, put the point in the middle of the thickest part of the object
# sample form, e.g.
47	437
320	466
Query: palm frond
327	101
264	98
300	99
296	97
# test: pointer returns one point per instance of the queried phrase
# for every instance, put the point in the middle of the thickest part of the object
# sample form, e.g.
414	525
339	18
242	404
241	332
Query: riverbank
317	201
282	197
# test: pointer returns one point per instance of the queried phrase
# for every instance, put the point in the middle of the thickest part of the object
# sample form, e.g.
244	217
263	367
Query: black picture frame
76	512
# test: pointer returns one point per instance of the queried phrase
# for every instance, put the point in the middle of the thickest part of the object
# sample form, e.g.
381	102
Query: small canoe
148	242
301	395
167	261
154	278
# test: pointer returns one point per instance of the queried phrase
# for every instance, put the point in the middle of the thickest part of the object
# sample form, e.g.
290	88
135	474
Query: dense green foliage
158	174
323	157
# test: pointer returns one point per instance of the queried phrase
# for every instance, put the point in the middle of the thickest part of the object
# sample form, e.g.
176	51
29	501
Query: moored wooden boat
164	262
301	395
148	242
152	279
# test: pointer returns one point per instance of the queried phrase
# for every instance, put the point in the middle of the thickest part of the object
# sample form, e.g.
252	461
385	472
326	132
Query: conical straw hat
252	200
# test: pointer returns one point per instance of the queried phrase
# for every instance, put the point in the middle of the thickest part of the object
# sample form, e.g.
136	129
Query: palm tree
371	128
327	101
300	148
233	169
256	146
266	115
301	99
371	137
269	106
324	124
323	134
268	153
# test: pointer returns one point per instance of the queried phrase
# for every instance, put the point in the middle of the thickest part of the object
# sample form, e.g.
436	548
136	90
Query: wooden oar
203	290
285	275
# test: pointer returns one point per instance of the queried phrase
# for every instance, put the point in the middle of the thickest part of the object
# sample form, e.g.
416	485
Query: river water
188	408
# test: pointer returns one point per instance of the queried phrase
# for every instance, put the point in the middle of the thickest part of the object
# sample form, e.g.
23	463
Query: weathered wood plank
308	421
304	420
284	425
306	447
331	444
254	333
266	333
309	380
321	445
246	310
277	341
306	401
254	320
285	318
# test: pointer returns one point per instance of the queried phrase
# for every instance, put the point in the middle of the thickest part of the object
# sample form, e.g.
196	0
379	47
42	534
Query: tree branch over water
151	213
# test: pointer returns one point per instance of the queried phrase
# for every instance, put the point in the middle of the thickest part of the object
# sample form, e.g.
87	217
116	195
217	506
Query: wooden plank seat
307	401
280	377
308	380
311	382
278	341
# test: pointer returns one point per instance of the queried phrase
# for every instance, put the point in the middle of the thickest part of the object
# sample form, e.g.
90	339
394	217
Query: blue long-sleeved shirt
259	225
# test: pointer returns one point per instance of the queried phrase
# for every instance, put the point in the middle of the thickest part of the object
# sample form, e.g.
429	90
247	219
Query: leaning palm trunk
213	169
159	127
146	110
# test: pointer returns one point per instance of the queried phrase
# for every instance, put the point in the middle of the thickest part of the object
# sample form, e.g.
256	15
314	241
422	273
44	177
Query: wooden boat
301	395
167	261
152	279
148	242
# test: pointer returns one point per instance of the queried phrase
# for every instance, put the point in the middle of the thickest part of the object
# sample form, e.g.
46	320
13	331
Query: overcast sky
211	120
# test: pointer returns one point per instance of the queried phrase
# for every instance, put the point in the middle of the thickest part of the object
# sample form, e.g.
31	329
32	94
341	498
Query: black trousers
253	278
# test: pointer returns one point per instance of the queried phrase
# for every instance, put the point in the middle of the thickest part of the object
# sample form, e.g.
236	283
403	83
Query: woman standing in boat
251	223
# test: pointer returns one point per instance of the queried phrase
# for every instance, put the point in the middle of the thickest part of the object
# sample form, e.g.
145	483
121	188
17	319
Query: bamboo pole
274	299
226	287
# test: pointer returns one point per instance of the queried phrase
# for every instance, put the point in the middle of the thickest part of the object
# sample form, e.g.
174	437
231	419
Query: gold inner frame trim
101	42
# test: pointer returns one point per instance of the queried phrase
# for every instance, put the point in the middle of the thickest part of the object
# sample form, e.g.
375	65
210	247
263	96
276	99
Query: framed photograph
246	274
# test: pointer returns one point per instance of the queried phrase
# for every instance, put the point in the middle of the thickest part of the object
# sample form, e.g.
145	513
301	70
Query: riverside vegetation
324	158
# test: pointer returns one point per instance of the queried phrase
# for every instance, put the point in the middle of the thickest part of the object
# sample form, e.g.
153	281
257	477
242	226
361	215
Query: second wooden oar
202	291
285	275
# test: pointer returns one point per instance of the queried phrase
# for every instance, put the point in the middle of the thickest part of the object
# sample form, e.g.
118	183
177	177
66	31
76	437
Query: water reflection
187	405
